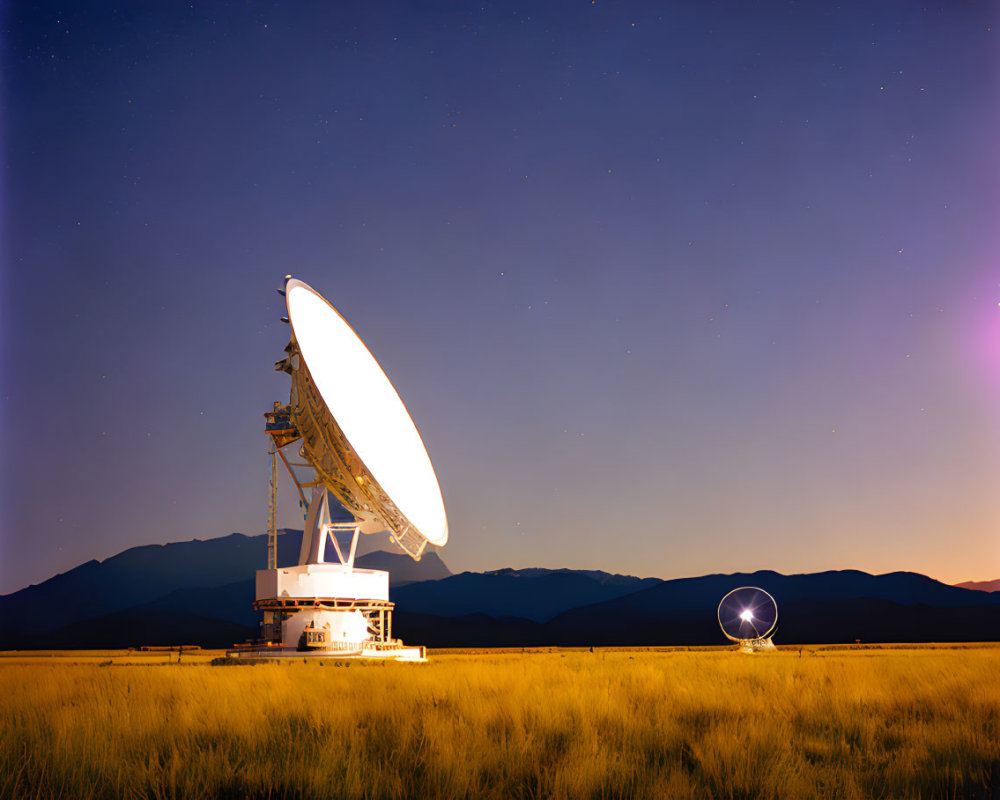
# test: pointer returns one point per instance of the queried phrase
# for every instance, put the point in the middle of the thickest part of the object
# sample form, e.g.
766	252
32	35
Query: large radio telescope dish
749	615
360	448
356	432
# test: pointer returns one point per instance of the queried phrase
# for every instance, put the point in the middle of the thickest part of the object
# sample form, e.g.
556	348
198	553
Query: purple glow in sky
668	288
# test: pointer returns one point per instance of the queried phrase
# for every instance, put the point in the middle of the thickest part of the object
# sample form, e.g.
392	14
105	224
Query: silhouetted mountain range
841	606
200	592
831	606
534	594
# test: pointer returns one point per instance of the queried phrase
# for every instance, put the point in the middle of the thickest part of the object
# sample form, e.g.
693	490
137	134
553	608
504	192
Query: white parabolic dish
368	410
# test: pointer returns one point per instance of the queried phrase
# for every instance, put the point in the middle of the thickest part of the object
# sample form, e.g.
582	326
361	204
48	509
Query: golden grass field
839	723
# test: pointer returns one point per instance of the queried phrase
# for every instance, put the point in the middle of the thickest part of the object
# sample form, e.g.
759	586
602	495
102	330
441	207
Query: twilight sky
669	288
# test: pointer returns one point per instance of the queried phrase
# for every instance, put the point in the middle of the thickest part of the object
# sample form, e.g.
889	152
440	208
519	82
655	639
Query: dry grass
845	724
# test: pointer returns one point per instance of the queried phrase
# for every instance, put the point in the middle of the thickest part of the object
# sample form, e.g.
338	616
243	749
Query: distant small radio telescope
358	452
748	616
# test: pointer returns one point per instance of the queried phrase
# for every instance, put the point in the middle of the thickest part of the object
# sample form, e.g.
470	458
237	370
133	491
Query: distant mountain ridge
981	586
594	574
834	606
133	577
534	594
840	605
200	592
404	570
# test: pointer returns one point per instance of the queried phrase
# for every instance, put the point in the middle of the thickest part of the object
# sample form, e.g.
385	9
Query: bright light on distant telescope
746	615
368	410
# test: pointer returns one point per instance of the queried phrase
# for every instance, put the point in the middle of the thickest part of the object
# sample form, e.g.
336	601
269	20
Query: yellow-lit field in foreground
839	723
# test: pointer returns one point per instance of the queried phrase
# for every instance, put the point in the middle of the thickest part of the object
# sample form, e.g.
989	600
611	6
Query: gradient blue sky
669	288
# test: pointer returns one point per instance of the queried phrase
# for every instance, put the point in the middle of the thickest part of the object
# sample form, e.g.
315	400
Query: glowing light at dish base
748	615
